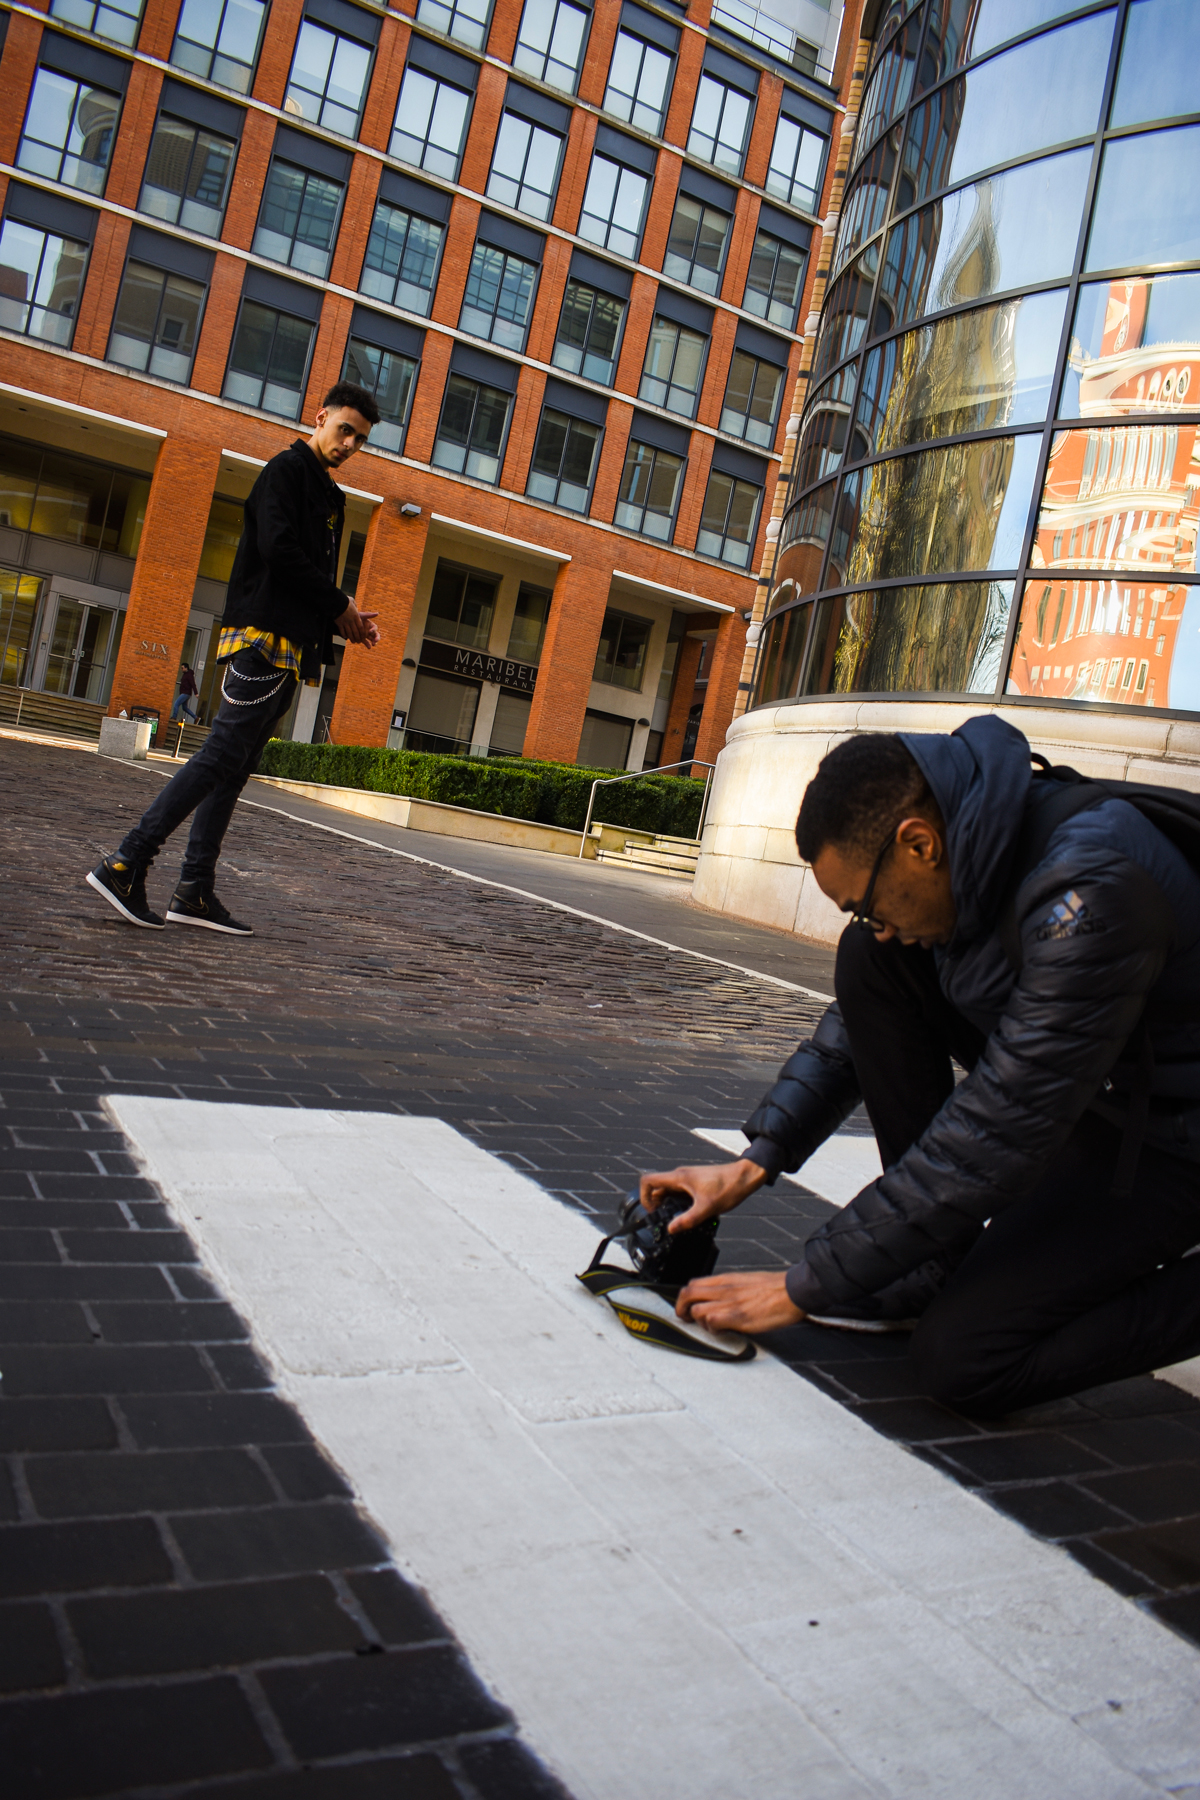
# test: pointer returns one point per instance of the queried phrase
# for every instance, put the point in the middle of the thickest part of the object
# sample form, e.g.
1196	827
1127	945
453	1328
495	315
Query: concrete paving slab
636	1578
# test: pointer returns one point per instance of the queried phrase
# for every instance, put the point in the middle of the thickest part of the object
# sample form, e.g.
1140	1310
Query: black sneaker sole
115	901
180	918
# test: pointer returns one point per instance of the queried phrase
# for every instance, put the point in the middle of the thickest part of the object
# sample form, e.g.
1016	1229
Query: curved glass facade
996	480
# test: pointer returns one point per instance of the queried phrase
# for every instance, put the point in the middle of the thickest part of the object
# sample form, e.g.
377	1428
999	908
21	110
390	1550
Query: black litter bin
147	712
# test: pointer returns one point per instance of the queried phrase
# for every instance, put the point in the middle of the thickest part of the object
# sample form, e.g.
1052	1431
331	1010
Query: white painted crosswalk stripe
632	1545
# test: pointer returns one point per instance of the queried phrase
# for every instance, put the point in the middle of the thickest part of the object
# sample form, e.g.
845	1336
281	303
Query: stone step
654	863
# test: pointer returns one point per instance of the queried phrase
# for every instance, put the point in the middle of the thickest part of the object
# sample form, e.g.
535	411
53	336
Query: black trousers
254	696
1065	1289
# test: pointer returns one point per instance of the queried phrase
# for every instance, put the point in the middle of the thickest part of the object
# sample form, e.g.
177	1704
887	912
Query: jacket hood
979	776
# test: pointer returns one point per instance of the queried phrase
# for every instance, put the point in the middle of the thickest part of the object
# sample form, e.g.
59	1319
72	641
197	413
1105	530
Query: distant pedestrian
282	609
187	692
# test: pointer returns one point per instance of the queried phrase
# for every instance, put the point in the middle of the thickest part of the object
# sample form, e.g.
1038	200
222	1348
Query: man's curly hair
865	787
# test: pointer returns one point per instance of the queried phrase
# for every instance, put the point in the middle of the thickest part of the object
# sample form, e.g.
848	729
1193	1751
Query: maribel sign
477	667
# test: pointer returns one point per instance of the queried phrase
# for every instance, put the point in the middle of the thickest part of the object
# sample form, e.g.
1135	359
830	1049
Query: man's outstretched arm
816	1090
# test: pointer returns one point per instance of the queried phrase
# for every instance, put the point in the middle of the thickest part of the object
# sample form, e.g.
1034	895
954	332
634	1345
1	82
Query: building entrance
77	645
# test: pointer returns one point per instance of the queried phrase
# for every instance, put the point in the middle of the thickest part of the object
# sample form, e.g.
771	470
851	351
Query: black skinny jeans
253	697
1066	1288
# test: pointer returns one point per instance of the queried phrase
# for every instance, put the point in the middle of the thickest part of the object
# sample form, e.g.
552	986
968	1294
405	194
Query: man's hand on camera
358	627
748	1303
713	1188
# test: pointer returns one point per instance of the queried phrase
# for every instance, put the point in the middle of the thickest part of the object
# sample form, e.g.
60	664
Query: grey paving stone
505	1770
379	1702
30	1656
111	1740
399	1612
126	1247
173	1321
40	1424
84	1485
304	1473
280	1540
211	1627
69	1558
53	1369
415	1777
186	1420
43	1322
62	1281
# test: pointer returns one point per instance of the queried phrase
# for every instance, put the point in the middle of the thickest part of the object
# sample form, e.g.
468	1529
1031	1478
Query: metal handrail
689	762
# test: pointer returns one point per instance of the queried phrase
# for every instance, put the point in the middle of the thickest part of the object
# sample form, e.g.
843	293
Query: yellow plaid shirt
280	652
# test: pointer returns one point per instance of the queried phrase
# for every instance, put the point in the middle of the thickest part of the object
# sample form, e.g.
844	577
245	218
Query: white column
485	717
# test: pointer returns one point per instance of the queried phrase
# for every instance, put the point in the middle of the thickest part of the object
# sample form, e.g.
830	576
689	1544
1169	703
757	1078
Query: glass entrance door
82	642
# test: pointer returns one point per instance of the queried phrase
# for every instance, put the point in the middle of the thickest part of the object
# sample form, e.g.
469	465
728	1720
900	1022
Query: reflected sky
1147	203
1046	91
1159	59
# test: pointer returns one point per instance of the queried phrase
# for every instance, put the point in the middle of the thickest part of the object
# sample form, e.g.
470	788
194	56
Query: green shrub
551	793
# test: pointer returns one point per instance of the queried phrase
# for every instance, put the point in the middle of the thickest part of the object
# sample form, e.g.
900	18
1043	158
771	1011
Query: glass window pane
823	432
1159	58
1119	642
1012	231
1121	498
1135	348
940	511
889	87
1147	207
960	30
942	638
1046	91
136	315
847	312
803	538
779	661
18	484
993	366
529	625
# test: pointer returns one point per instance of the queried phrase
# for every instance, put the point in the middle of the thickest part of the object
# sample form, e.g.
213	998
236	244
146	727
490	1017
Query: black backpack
1175	813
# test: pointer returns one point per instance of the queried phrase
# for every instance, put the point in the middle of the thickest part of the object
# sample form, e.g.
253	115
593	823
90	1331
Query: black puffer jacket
1056	1033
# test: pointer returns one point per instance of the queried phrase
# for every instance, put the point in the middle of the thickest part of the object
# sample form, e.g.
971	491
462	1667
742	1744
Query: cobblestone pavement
191	1602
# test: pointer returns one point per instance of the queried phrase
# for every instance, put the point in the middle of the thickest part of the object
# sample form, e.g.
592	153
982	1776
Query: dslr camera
655	1254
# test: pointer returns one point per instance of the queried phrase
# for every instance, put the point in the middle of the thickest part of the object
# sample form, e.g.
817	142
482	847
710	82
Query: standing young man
282	609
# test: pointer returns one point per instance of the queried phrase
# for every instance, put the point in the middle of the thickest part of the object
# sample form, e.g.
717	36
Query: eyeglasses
861	914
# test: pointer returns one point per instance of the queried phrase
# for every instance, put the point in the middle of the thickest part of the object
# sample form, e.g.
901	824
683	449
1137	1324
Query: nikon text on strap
647	1311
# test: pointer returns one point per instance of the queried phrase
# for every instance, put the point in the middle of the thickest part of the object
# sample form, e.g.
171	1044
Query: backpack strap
1073	793
1064	792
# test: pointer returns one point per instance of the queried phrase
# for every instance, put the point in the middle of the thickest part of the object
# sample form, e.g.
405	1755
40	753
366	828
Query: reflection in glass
944	638
1042	92
990	367
823	433
1113	642
960	30
1121	497
1135	348
783	646
1010	231
1157	76
844	320
962	507
802	540
866	203
888	89
1147	206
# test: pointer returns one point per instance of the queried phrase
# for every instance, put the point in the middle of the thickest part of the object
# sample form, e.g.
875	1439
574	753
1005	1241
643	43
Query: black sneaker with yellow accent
195	903
123	885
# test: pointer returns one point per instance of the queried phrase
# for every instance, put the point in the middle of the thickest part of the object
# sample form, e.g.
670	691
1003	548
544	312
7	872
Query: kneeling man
1035	1219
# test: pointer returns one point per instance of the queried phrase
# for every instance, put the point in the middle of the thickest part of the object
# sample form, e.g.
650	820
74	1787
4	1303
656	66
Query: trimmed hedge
550	793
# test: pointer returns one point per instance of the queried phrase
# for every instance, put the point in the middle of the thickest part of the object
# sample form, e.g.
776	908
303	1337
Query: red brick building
571	248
